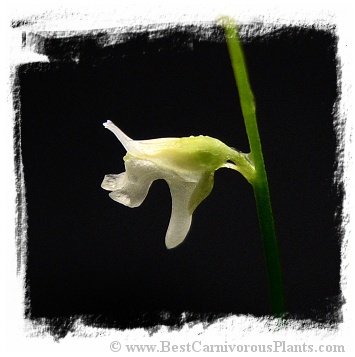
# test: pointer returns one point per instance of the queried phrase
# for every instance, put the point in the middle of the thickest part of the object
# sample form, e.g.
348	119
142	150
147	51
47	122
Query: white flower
186	164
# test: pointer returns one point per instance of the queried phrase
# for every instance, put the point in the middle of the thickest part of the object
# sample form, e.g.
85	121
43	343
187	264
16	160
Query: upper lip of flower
186	164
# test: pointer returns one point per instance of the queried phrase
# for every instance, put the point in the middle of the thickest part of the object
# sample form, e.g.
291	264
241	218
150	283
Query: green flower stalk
260	181
188	166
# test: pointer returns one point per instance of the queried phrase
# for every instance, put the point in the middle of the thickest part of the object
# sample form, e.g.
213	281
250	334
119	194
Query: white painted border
239	330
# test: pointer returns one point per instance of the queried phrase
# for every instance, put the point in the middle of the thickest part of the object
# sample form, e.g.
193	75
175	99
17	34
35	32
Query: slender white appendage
128	143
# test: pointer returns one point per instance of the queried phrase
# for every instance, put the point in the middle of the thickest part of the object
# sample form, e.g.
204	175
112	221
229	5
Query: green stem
260	182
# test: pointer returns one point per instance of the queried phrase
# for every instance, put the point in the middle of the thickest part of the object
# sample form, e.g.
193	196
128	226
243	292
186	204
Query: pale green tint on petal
194	153
191	155
202	190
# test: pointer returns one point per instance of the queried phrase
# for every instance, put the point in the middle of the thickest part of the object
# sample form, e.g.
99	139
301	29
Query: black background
88	255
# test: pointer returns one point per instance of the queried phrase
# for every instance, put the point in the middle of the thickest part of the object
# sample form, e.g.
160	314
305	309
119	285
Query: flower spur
186	164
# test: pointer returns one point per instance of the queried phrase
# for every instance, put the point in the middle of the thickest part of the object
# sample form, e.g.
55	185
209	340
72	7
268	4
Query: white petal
128	197
128	143
180	220
131	187
186	196
113	182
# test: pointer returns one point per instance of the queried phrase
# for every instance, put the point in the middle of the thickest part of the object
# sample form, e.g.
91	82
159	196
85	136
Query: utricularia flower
186	164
